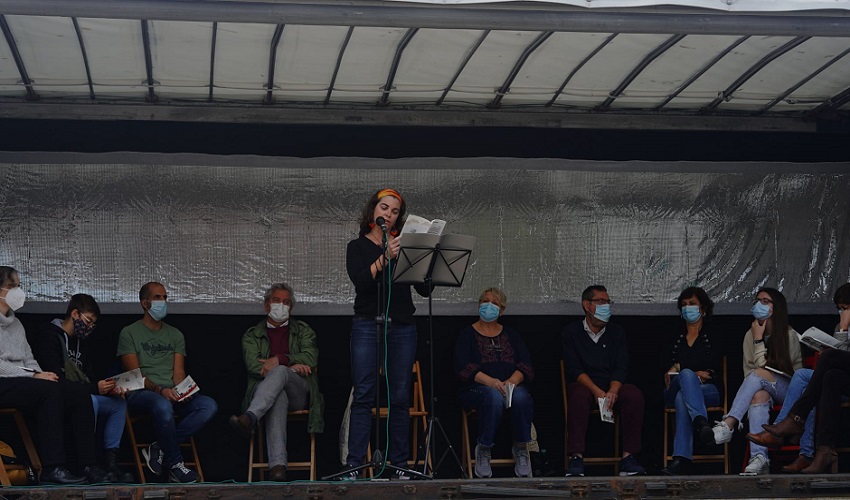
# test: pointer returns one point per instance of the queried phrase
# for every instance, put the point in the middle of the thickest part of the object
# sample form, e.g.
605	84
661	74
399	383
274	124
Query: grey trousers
281	391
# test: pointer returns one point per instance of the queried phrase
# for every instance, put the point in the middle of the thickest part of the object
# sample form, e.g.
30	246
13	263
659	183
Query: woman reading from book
694	381
369	265
494	365
829	383
770	342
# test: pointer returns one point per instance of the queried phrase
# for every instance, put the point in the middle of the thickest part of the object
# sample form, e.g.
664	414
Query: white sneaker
722	433
758	465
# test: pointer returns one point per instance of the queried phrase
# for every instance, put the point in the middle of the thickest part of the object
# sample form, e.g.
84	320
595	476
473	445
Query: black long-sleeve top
50	351
360	255
702	355
498	357
603	361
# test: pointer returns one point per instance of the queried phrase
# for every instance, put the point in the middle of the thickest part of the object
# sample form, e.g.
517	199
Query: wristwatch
759	341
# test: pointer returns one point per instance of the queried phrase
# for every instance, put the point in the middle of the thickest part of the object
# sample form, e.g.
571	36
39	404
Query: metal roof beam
802	82
461	67
414	116
439	17
212	60
146	42
637	70
278	32
506	86
727	94
338	63
19	62
79	33
579	66
388	87
831	104
687	83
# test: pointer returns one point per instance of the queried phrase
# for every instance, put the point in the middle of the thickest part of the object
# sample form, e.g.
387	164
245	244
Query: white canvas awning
617	64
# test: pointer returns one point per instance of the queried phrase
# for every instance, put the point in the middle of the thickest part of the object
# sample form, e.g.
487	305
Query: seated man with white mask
281	356
159	351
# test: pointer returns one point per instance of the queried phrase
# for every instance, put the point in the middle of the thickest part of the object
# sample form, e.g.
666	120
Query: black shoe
353	475
60	475
702	429
95	475
243	424
678	467
119	475
278	474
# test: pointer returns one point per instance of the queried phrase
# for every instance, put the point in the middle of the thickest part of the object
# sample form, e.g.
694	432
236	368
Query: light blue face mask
760	311
603	312
691	314
158	310
488	312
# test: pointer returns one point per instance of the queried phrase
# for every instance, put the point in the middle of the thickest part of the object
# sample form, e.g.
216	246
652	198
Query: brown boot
791	426
766	439
825	458
243	424
797	465
278	474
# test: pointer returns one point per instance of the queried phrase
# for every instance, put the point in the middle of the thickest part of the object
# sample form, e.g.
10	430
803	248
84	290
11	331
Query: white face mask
279	312
15	298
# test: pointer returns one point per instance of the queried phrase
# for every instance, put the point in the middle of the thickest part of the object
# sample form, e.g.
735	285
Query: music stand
434	261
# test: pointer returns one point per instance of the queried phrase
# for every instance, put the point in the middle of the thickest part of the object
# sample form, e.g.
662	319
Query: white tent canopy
521	64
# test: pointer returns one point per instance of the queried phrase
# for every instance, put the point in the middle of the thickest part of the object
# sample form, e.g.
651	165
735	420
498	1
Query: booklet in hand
776	371
186	388
818	339
604	413
416	224
509	394
128	381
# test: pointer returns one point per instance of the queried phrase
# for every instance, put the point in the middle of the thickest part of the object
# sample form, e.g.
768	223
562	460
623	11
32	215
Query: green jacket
302	350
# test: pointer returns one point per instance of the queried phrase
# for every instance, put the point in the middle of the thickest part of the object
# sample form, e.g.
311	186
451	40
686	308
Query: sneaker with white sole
722	433
179	473
575	468
483	454
630	466
759	465
522	462
153	457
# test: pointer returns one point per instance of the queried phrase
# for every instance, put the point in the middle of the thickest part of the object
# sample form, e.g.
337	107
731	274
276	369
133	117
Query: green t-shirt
155	350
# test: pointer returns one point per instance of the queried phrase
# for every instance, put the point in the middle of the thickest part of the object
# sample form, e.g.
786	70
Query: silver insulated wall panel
218	230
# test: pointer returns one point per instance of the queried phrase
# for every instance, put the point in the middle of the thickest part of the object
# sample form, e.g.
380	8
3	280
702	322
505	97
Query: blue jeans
758	414
194	414
689	397
490	405
799	382
110	413
401	353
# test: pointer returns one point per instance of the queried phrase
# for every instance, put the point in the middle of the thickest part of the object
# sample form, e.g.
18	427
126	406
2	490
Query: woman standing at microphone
368	267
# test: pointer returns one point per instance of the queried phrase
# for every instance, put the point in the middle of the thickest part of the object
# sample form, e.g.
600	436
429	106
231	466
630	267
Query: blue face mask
158	310
691	314
488	312
603	312
760	311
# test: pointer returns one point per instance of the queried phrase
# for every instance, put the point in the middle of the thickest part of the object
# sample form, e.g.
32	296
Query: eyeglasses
275	300
494	347
842	308
764	301
600	302
88	321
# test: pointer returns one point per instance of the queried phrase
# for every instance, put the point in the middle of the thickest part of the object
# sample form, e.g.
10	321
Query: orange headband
389	192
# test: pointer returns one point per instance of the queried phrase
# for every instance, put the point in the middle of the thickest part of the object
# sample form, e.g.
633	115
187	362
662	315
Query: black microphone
382	223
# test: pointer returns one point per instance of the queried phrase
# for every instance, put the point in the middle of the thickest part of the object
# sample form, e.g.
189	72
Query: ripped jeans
759	413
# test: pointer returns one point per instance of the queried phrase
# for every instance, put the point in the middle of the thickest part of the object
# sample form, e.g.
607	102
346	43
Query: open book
509	394
818	339
186	388
416	224
128	381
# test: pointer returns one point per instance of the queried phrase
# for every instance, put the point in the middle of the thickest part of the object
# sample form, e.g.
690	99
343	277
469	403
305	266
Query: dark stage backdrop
214	360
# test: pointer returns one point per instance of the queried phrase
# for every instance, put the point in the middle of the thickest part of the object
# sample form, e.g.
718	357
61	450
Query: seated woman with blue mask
769	343
696	383
491	360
